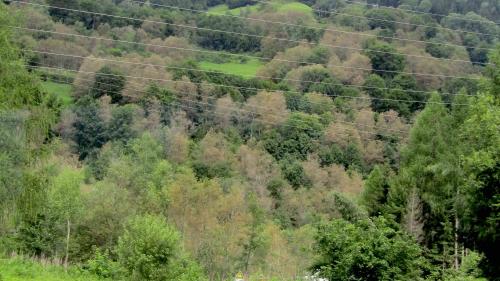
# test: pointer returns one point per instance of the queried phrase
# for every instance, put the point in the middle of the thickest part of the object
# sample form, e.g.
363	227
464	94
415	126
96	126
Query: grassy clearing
222	9
293	7
17	269
249	68
64	91
279	6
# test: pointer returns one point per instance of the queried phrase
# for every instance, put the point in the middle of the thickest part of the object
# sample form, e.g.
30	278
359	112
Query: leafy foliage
149	250
366	250
108	82
90	130
296	137
385	58
230	40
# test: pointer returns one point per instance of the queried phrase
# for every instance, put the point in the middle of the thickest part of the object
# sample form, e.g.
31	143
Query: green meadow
222	9
63	91
246	69
280	7
293	7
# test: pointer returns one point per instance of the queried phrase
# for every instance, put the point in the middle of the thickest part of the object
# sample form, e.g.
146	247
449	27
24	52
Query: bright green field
222	9
20	270
249	68
61	90
295	7
281	7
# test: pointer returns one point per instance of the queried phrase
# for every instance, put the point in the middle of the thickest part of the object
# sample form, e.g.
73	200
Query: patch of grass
222	9
246	69
63	91
219	9
279	6
17	269
293	7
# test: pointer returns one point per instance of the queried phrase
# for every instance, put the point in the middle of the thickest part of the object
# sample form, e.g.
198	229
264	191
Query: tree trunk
413	215
68	232
456	241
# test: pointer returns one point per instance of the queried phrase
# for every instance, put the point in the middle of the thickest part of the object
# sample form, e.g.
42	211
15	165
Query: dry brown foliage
341	134
212	222
347	41
351	71
175	52
144	67
177	139
304	206
153	28
84	80
332	177
319	103
267	108
259	168
225	111
214	149
56	46
283	62
389	123
432	66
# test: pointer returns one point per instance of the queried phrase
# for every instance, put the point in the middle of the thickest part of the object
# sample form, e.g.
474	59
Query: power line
247	34
241	110
244	55
308	26
413	10
393	21
238	103
116	75
251	76
245	88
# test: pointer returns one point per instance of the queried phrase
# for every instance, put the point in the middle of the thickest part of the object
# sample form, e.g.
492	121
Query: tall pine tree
423	194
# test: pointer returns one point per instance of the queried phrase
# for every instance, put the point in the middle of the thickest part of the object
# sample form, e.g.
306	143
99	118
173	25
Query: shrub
381	18
385	58
103	266
294	173
366	250
438	50
109	82
149	250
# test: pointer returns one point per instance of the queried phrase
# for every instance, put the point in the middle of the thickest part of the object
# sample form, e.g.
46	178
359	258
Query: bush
109	82
366	250
296	137
120	125
381	18
149	250
103	266
89	129
294	173
438	50
350	157
385	59
223	40
218	170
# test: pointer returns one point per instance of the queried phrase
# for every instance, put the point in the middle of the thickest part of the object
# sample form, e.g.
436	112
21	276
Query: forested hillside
264	140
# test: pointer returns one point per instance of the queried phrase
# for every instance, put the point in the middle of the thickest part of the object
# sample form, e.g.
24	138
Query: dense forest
259	140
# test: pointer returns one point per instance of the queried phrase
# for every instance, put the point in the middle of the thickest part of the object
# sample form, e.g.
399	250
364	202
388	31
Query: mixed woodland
197	140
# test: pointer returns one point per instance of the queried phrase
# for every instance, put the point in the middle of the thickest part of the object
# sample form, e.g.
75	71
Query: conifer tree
424	192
